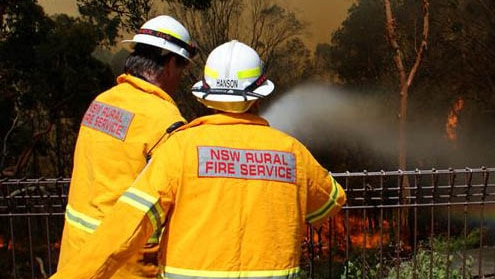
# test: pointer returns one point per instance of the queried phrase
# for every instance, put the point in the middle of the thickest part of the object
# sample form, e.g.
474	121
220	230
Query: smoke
324	117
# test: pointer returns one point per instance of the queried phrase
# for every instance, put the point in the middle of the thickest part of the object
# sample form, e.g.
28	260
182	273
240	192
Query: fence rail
396	224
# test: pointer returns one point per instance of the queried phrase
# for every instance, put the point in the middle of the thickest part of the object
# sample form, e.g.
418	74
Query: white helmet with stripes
167	33
233	78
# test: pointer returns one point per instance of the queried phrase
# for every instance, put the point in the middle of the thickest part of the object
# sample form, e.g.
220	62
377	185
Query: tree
357	52
49	77
406	76
22	23
361	57
456	66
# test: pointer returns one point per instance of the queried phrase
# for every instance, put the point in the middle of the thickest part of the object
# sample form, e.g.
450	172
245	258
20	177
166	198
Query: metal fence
396	224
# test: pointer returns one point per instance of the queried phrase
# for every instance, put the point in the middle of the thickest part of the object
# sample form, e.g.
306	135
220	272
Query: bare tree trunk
5	142
405	80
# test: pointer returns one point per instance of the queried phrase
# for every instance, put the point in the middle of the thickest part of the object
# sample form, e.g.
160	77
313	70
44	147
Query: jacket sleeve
325	196
136	215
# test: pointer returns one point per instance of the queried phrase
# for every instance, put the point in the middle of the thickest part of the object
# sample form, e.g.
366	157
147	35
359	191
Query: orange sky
324	16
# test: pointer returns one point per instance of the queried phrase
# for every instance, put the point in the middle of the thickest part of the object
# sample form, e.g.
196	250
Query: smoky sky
322	16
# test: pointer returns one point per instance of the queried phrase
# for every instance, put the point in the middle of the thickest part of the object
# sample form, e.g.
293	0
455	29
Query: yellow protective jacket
235	195
118	129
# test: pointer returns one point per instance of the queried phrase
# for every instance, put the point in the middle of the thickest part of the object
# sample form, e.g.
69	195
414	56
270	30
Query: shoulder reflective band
190	48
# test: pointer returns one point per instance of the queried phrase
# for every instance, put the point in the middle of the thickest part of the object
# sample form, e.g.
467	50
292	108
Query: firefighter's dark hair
148	59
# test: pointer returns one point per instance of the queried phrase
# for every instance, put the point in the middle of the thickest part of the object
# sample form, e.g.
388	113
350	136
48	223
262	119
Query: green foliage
429	264
472	240
431	260
355	271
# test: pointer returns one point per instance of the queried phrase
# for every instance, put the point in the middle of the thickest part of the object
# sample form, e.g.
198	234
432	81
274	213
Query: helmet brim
156	42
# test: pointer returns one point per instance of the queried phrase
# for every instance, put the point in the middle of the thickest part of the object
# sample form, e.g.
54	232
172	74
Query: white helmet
233	78
167	33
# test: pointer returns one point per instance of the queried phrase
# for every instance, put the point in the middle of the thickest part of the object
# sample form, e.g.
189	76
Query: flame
364	233
4	243
452	119
356	231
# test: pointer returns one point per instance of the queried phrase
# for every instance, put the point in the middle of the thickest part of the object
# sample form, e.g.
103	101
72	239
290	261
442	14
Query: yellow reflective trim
327	207
149	198
249	73
145	203
81	220
154	238
211	73
166	31
154	221
159	210
184	273
136	201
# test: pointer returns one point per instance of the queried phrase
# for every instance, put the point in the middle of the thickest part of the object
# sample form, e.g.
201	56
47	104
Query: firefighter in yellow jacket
120	129
233	192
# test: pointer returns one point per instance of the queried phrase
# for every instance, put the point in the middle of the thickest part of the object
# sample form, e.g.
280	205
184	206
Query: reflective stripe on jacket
118	129
235	194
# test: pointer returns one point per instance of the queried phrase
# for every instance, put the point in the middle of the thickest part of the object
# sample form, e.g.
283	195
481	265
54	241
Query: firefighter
118	132
234	194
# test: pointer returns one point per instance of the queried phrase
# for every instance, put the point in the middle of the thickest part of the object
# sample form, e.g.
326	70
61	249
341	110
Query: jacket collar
145	86
226	119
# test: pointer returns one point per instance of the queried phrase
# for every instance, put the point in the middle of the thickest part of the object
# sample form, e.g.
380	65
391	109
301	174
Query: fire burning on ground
365	234
352	232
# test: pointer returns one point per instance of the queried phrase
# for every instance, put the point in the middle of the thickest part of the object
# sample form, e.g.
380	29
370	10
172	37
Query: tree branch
423	45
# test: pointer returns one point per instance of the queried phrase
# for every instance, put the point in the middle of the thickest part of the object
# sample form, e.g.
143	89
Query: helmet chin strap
257	83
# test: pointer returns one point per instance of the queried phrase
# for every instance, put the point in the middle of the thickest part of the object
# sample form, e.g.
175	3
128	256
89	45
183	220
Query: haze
323	16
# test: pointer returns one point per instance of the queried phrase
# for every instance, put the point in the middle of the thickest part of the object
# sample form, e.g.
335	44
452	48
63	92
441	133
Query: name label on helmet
227	83
246	163
108	119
